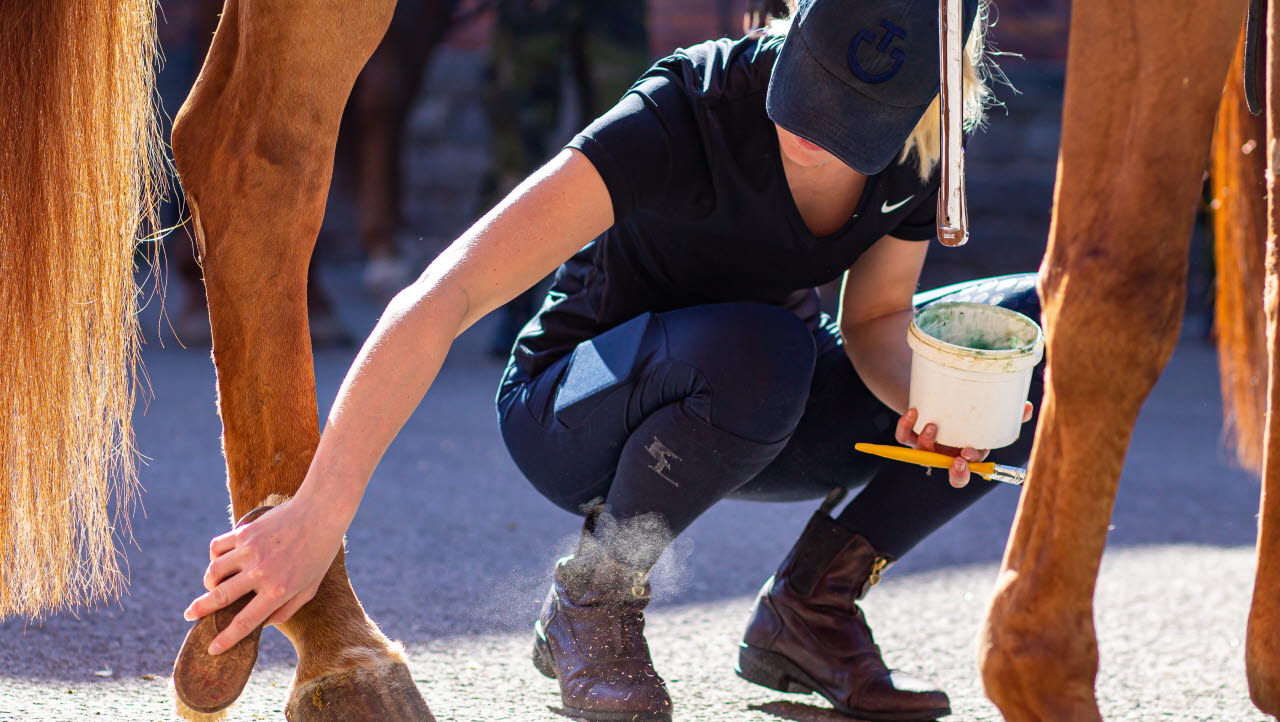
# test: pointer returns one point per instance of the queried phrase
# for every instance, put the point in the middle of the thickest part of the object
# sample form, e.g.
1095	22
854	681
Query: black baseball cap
855	76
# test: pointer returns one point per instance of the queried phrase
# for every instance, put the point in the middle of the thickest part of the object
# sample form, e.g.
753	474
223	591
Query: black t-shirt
702	209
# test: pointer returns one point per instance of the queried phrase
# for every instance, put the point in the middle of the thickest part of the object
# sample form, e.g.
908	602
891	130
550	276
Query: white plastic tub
971	367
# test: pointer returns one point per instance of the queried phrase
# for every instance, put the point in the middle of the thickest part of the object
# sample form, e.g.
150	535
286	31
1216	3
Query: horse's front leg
1143	82
254	146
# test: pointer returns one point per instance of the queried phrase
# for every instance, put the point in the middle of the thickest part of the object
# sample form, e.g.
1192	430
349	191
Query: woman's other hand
282	556
958	473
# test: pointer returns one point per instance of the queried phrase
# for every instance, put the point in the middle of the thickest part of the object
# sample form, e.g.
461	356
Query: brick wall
680	23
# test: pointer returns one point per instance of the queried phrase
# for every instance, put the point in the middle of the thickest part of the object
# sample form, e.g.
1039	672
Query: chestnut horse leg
1262	645
1143	83
254	146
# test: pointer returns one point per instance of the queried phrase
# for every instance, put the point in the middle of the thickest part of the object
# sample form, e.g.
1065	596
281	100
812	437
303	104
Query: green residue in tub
978	331
979	342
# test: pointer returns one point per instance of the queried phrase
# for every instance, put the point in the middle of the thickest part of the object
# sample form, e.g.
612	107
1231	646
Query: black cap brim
807	100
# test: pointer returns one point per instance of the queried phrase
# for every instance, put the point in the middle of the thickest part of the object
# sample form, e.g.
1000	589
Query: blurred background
465	97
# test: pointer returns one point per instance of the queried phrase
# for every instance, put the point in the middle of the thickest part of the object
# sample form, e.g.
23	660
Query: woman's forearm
387	380
879	352
542	222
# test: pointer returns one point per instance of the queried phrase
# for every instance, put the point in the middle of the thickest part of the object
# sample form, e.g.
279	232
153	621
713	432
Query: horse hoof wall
383	692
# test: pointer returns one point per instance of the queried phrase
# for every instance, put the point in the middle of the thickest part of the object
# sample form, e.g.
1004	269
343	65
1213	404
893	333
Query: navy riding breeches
671	412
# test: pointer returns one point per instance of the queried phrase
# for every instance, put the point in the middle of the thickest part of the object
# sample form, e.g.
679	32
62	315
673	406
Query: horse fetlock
1262	668
333	643
1035	686
1037	672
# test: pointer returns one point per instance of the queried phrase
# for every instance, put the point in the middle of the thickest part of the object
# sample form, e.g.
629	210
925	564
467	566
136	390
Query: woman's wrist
329	498
878	350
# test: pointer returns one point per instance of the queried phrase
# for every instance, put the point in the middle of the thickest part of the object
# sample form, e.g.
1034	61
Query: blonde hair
925	141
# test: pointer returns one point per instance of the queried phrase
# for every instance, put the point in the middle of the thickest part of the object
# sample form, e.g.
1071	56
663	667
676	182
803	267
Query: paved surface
451	552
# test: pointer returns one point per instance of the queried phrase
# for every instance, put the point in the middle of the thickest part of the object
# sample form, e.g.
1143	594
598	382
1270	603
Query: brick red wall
672	24
680	23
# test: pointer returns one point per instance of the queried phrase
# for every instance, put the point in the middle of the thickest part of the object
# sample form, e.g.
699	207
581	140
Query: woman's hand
282	556
958	474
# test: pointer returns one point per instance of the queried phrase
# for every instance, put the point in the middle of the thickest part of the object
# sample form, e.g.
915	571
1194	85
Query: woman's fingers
905	433
223	544
218	597
958	474
253	614
282	615
222	568
1028	411
928	438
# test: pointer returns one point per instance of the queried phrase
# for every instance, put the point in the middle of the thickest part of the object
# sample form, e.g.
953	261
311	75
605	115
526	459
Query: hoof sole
207	683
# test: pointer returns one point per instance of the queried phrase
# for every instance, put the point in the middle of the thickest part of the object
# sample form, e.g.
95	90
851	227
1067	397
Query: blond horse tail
1240	233
79	172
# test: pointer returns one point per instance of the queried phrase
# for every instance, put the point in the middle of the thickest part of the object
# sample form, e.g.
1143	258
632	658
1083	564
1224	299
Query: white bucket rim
1033	348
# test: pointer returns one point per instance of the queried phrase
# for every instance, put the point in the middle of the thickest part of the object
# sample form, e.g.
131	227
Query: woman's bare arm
542	222
284	554
875	310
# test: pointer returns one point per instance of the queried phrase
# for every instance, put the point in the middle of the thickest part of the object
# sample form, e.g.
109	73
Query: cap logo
866	35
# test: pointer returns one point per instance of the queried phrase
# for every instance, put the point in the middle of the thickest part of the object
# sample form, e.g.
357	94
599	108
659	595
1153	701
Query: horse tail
1239	206
80	171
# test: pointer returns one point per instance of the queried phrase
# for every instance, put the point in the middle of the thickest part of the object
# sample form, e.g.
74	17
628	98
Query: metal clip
638	584
953	206
877	567
1009	474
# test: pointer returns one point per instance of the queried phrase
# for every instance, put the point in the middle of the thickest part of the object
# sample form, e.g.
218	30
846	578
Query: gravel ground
452	550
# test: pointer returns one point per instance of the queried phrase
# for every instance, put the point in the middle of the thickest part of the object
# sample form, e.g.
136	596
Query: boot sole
773	670
544	661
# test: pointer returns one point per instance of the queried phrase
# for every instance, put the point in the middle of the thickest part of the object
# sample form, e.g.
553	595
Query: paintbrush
986	469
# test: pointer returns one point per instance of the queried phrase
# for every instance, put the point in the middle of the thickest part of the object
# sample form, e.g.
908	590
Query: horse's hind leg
254	146
1262	646
1136	128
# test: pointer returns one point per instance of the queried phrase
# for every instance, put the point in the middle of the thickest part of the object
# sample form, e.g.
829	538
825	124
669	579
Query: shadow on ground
450	541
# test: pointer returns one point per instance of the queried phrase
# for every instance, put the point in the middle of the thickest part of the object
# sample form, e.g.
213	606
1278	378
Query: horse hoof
208	684
382	692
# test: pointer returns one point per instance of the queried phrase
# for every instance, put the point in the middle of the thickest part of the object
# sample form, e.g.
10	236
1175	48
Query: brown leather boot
806	633
590	636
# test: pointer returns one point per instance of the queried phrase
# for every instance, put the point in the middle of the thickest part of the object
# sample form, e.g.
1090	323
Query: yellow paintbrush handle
924	458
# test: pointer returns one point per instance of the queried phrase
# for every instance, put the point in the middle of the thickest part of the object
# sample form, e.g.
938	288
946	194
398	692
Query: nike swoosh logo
886	208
